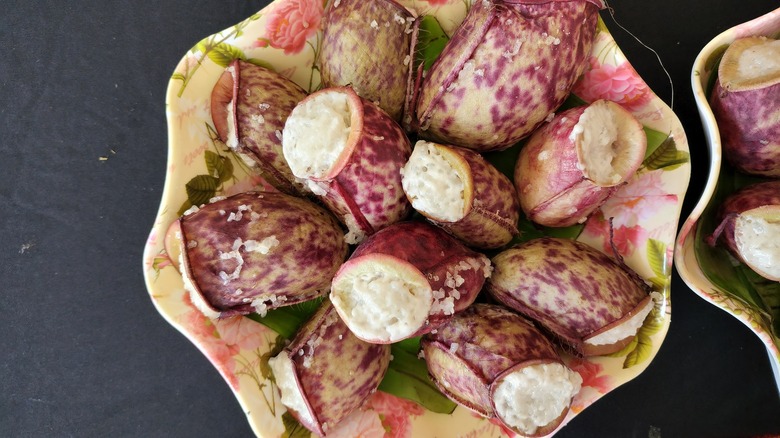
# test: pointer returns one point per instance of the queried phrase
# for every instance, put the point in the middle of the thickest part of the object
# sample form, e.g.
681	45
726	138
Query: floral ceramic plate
286	36
712	272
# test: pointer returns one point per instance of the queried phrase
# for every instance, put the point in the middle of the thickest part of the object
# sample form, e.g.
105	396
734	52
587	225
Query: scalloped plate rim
685	259
152	247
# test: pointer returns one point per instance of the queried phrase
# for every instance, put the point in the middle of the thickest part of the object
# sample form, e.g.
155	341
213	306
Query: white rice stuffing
432	185
285	376
327	114
535	395
382	304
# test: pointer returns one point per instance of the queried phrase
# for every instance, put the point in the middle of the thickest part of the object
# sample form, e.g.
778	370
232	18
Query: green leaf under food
768	289
719	267
729	275
408	378
285	321
430	41
505	160
530	230
766	296
572	101
261	63
570	232
411	345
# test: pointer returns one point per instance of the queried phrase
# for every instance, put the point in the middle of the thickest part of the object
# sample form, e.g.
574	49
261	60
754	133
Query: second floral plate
710	271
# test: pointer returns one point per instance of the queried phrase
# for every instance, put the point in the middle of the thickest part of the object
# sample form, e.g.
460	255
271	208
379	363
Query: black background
83	351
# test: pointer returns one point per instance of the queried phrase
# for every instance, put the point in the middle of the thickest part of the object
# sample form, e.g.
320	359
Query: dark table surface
84	353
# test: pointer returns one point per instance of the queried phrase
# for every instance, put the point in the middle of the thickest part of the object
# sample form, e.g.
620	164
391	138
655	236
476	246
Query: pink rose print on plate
243	333
223	339
395	413
291	23
161	259
359	424
633	204
205	334
592	377
158	262
625	239
494	427
640	200
504	430
591	374
620	84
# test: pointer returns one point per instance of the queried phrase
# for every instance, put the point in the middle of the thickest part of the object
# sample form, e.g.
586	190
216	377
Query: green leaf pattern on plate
216	49
219	167
666	156
221	53
659	263
202	188
292	428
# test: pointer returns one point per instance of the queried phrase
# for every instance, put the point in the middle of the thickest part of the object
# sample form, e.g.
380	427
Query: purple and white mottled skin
470	356
255	251
326	372
363	186
747	108
369	45
574	291
449	275
758	203
554	185
249	105
506	69
491	210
